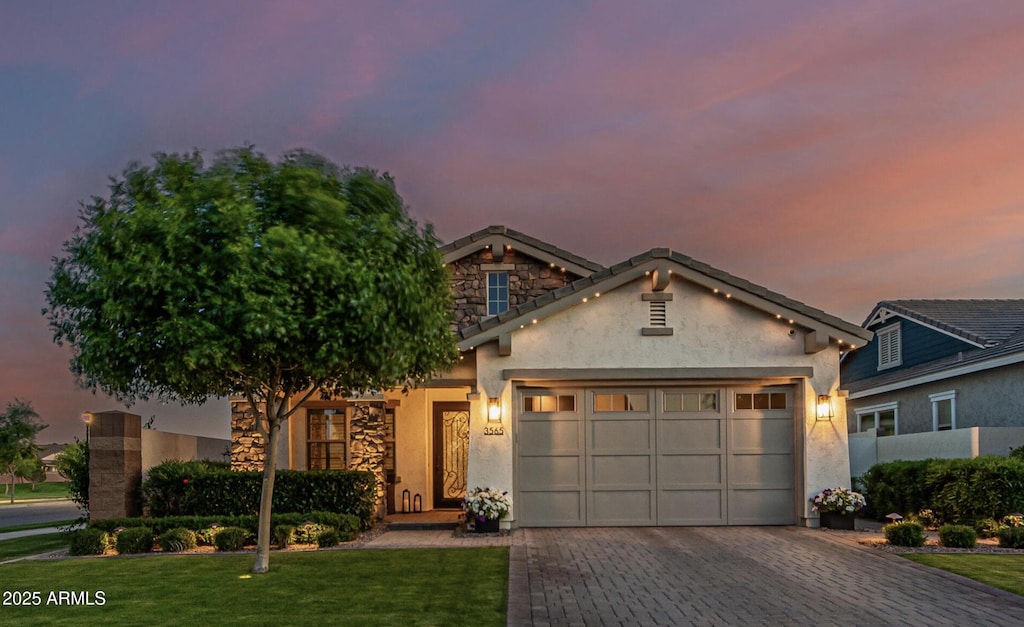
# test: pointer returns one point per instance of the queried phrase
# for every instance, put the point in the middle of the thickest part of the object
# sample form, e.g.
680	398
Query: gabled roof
665	261
982	322
500	236
995	326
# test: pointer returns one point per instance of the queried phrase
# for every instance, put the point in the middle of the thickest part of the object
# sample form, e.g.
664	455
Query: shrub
230	539
904	534
926	517
211	489
1011	537
895	487
178	540
958	536
89	541
328	538
987	528
135	540
72	463
284	535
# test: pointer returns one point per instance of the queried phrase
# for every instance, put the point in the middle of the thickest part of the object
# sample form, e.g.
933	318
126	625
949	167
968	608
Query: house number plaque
494	430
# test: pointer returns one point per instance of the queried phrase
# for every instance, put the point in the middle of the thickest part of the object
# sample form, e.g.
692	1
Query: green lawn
32	545
41	525
24	491
362	587
1002	571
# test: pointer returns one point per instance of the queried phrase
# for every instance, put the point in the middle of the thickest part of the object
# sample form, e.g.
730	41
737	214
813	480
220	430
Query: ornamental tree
274	281
18	430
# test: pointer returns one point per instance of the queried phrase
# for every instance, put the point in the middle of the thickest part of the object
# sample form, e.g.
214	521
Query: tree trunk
262	564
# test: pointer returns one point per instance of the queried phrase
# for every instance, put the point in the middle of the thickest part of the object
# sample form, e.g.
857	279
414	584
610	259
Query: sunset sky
840	153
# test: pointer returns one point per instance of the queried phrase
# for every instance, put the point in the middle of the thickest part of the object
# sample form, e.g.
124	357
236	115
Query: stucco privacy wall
160	446
710	331
867	449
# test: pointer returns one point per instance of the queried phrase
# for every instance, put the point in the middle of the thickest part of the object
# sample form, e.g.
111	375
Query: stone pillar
115	465
248	452
366	446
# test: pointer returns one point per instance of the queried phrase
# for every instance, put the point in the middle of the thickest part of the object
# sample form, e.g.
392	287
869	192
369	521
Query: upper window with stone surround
528	278
497	293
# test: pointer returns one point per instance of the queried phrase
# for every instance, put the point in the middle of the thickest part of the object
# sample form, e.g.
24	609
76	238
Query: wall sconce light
825	411
494	410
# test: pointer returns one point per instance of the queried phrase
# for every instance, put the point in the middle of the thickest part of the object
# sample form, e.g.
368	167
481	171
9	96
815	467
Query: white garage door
655	456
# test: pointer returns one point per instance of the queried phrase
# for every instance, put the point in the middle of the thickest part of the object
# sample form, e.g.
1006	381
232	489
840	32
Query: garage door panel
683	470
692	434
761	507
620	507
773	435
621	435
553	472
621	470
691	507
762	470
541	437
552	508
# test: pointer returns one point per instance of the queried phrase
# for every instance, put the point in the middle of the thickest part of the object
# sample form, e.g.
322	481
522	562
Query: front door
451	453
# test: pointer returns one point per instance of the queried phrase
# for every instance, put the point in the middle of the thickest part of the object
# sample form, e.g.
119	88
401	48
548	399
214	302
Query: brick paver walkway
734	576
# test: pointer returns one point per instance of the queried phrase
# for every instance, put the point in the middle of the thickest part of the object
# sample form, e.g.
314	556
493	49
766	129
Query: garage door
655	456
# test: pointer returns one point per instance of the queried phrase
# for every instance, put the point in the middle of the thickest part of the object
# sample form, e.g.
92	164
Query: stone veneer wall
247	449
530	279
366	445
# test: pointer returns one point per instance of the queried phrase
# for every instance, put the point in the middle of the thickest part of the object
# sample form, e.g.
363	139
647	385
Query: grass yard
32	545
365	587
24	491
999	571
39	525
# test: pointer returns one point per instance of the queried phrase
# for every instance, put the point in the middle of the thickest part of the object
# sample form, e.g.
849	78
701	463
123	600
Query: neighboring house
937	366
657	391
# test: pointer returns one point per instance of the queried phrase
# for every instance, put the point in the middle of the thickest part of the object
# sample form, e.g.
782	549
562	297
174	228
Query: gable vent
658	315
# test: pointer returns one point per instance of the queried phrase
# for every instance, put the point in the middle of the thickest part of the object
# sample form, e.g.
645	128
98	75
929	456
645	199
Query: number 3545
22	597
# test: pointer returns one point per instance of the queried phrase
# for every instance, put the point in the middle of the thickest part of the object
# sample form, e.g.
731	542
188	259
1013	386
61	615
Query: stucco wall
160	446
991	398
709	331
866	449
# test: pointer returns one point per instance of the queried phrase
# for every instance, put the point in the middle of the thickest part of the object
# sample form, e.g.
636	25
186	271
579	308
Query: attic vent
658	316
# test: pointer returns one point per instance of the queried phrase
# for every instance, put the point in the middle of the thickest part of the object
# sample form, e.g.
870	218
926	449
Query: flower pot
487	525
838	520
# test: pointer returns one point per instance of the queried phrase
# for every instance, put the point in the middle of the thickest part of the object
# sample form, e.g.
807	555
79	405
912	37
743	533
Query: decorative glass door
451	453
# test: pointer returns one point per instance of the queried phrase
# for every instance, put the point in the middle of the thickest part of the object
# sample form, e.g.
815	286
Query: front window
943	411
497	293
882	419
326	429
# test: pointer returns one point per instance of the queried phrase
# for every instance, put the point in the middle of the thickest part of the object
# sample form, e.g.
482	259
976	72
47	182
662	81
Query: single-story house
944	373
657	391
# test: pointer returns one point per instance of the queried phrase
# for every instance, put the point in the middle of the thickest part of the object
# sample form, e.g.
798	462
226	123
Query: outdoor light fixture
825	411
894	517
493	410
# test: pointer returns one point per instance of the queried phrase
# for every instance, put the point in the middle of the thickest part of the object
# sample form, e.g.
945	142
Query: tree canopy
270	280
18	430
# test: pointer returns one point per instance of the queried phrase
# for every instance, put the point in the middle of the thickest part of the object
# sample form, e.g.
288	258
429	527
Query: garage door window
691	401
549	403
620	402
761	400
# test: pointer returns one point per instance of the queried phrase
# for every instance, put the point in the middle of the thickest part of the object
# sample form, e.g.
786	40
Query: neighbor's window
497	293
691	401
326	439
883	419
761	400
548	403
889	352
943	410
620	402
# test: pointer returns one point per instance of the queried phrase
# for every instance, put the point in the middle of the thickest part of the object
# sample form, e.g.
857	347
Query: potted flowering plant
486	507
838	507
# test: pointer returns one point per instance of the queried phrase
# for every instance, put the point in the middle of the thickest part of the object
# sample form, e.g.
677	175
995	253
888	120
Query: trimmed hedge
206	489
958	491
904	534
135	540
89	541
958	536
231	539
177	540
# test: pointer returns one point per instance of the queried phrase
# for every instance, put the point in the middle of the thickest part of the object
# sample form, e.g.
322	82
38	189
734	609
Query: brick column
115	465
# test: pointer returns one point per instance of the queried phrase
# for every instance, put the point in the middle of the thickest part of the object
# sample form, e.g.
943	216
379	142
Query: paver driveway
735	576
